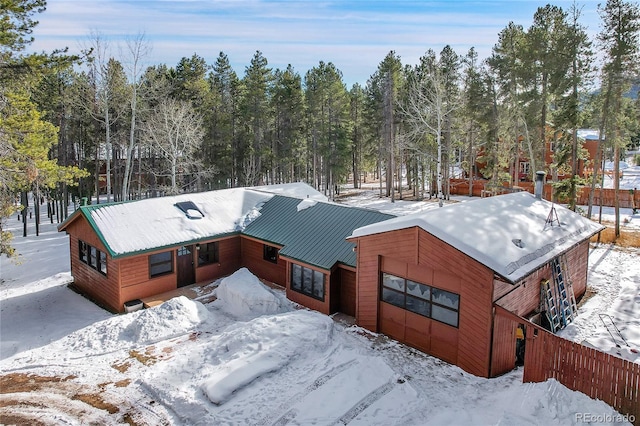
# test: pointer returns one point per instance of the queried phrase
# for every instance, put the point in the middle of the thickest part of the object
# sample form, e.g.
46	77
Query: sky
354	35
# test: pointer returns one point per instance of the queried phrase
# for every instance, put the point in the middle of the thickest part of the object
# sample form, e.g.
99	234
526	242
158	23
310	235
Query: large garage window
160	264
307	281
422	299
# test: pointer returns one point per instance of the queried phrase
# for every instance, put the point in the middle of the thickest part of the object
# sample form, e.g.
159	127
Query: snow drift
244	296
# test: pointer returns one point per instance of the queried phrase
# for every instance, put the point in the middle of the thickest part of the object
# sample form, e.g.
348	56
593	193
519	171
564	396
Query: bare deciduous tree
427	108
175	131
137	48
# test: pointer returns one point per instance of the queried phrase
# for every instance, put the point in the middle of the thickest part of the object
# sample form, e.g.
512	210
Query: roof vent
190	209
518	242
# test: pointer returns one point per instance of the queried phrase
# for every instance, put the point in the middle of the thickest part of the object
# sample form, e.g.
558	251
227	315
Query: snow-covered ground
252	357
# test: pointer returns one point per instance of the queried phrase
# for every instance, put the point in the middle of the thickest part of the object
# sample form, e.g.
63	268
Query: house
520	168
432	279
132	250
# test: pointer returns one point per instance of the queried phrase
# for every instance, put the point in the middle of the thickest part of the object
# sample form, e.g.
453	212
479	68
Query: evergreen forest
108	125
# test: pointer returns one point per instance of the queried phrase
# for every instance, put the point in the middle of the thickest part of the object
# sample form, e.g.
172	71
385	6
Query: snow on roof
306	203
507	233
138	226
157	222
295	189
588	134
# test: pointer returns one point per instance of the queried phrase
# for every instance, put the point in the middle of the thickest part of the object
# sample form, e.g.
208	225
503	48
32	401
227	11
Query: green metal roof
315	235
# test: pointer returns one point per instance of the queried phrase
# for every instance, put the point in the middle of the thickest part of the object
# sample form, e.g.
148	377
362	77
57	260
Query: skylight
190	209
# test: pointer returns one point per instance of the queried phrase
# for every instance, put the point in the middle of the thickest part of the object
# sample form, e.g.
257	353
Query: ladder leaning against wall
558	299
566	298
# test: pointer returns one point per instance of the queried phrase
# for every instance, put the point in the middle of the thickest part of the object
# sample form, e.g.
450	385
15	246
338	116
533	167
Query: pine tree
327	111
287	104
620	40
222	122
255	115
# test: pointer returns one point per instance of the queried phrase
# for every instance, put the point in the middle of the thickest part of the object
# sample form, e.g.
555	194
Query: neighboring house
431	279
521	168
132	250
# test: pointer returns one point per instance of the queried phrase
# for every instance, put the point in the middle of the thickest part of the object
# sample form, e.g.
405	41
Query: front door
186	271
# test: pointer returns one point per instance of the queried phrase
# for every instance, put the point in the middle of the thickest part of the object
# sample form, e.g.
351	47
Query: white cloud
355	36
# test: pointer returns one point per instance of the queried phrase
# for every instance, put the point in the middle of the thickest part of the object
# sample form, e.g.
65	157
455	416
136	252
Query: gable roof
308	230
311	232
507	233
293	189
153	223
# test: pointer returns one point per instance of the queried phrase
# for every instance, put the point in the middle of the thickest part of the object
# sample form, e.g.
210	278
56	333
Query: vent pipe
539	185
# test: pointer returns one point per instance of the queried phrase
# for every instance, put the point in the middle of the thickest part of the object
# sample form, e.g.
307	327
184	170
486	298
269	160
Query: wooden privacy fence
626	198
599	375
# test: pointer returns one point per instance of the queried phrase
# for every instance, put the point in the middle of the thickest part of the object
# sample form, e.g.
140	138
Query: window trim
313	281
430	301
205	250
93	257
266	248
151	264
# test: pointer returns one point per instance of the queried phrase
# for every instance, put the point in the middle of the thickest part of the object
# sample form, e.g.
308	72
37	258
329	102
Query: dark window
160	264
208	253
270	253
82	251
93	257
422	299
296	277
307	281
103	262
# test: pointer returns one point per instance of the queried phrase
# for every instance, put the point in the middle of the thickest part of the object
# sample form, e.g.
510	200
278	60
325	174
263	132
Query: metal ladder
549	305
566	298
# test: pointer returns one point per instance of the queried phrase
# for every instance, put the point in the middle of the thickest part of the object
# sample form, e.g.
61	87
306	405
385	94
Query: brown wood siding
135	280
394	321
417	331
524	298
578	264
416	254
103	290
503	352
401	245
347	291
229	260
470	344
252	255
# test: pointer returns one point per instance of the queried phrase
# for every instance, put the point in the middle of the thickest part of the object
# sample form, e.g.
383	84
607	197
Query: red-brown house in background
588	140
